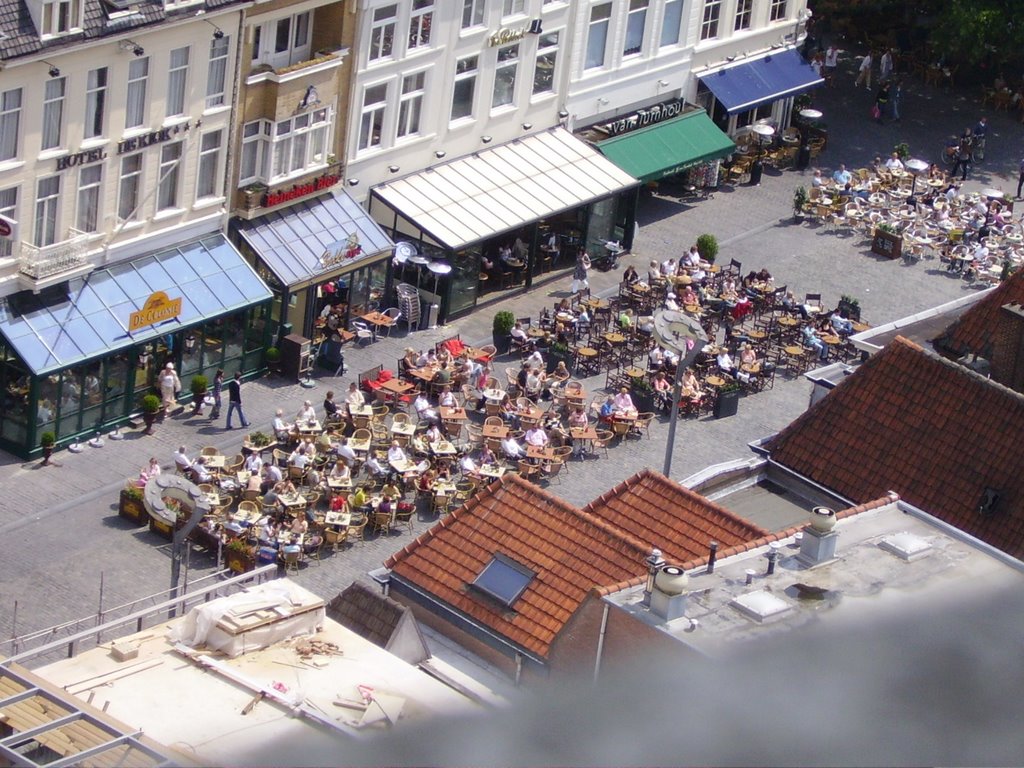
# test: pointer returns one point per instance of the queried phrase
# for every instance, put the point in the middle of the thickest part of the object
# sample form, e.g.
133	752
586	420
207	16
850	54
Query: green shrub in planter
47	439
151	403
707	246
501	330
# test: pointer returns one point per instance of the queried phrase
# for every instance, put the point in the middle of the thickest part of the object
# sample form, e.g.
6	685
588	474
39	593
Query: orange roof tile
664	514
569	550
973	331
924	427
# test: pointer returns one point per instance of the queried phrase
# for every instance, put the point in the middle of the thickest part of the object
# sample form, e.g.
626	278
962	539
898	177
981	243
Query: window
743	10
216	75
255	138
597	35
635	23
176	80
170	173
283	42
300	143
53	112
672	22
371	124
777	11
10	121
47	196
209	164
128	189
464	92
547	53
709	25
95	102
513	7
503	579
8	209
61	17
135	109
505	75
419	23
89	180
411	104
382	32
472	13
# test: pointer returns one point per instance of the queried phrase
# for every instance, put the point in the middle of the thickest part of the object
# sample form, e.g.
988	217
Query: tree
979	31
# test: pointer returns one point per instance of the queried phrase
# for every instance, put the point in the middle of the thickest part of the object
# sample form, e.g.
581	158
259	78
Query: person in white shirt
468	465
282	429
894	163
519	333
345	452
536	437
374	467
447	398
253	463
623	403
693	256
725	363
668	267
340	471
181	460
512	449
423	409
433	435
306	413
396	455
298	457
831	62
535	359
200	472
670	302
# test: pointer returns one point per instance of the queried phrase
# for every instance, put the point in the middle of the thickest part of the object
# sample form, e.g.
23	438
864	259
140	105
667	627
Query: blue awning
55	329
306	241
750	85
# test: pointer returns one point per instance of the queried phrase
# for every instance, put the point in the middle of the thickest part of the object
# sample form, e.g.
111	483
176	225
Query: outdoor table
443	448
757	335
361	410
715	381
405	466
536	333
452	414
534	452
491	470
403	428
443	488
495	395
791	322
293	502
377	320
533	412
339	484
338	518
750	367
495	431
693	309
565	317
860	327
640	288
309	427
634	373
359	444
396	386
793	350
595	303
215	462
425	374
614	338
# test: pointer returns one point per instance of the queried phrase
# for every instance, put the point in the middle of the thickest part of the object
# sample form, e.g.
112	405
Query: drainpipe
600	644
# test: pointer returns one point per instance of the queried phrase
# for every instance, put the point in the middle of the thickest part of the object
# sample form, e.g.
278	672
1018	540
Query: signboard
341	251
887	244
644	117
8	228
296	191
158	308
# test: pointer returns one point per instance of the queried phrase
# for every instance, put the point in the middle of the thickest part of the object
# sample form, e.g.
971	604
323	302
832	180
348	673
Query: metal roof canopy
499	189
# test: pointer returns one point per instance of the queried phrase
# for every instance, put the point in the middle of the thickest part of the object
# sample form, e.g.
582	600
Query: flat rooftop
866	582
199	700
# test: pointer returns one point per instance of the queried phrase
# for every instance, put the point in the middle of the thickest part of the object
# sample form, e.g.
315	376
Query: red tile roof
568	550
974	331
664	514
924	427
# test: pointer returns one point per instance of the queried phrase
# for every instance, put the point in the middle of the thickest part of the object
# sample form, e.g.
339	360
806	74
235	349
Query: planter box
886	244
553	358
160	528
643	400
726	404
132	509
239	562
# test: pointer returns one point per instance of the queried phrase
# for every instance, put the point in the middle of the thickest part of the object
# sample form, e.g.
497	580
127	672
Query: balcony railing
48	260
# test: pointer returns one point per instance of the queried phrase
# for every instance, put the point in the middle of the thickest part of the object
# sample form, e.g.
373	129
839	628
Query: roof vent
761	605
818	544
906	546
668	598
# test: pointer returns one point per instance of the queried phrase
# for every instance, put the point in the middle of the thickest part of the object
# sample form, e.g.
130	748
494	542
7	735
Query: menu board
887	244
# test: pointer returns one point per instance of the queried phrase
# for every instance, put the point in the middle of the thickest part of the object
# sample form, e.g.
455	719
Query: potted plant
501	331
850	307
130	505
728	400
273	358
257	440
887	241
239	556
558	351
799	202
253	195
707	247
199	386
151	406
902	150
46	440
642	394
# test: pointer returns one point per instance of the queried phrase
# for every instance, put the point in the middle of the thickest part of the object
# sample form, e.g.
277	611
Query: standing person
964	154
885	65
831	62
579	274
895	95
235	400
1020	178
218	386
881	102
864	73
170	386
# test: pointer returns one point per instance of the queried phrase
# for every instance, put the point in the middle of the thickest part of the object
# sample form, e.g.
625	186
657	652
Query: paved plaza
59	525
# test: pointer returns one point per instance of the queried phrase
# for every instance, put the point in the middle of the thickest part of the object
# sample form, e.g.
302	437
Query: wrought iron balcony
68	255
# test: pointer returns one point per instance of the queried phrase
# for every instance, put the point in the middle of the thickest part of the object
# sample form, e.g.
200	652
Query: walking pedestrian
235	400
170	386
885	65
864	73
964	154
895	94
579	273
831	62
1020	178
218	385
881	103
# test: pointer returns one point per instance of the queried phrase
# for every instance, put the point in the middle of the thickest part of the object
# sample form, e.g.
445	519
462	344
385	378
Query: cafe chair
291	561
381	522
643	424
335	537
313	547
356	529
363	333
551	470
527	470
394	314
405	516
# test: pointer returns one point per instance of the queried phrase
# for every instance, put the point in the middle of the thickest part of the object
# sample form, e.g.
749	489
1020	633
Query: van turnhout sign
644	117
157	309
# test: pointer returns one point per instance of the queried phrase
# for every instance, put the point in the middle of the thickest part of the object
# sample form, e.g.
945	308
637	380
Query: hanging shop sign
300	190
644	117
341	251
159	307
507	35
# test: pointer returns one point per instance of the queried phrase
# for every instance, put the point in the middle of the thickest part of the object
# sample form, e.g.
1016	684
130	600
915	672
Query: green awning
670	147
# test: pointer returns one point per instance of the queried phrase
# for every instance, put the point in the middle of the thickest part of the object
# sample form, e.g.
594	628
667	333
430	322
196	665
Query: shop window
505	75
16	391
597	35
273	152
69	400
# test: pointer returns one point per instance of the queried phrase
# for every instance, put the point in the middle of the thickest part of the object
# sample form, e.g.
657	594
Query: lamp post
683	335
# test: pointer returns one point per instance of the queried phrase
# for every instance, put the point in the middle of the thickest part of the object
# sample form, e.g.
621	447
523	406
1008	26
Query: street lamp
682	334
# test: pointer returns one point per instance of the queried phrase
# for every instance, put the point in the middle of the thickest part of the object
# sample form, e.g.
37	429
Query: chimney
818	544
654	562
668	596
1007	357
712	556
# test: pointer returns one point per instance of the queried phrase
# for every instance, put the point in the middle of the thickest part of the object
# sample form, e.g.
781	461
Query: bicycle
950	152
979	148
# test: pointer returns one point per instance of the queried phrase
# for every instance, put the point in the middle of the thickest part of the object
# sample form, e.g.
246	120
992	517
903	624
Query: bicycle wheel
979	151
948	155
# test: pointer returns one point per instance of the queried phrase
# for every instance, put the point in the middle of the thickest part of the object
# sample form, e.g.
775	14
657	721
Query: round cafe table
750	367
536	333
715	381
860	327
634	373
614	338
788	321
757	335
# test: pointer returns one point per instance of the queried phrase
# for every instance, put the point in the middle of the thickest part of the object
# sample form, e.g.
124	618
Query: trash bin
727	403
803	157
755	173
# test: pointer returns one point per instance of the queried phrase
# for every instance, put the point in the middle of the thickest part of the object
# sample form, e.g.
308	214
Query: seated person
181	460
292	547
423	409
622	403
690	386
509	412
607	411
512	449
359	501
487	456
374	467
282	429
391	492
447	398
345	452
812	340
519	334
254	483
670	302
200	472
536	437
662	391
433	435
354	396
625	320
299	524
468	465
841	324
630	276
410	358
271	477
396	454
725	363
253	462
306	414
298	457
340	472
425	482
690	297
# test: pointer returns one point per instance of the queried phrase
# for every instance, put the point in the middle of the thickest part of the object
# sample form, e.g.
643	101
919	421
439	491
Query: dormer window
61	17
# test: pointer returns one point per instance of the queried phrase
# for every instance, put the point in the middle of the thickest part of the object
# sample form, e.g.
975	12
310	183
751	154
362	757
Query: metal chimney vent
906	546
